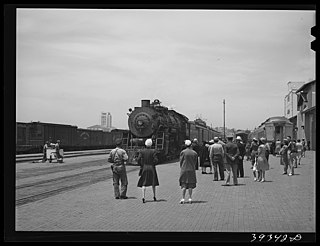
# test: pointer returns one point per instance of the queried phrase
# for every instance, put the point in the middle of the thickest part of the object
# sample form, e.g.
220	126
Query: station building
306	113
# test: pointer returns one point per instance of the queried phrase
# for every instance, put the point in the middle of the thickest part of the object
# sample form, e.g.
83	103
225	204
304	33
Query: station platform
280	204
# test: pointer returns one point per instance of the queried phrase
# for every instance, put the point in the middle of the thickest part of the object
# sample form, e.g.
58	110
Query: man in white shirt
216	154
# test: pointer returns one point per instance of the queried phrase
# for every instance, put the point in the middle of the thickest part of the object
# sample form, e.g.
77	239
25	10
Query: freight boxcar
32	136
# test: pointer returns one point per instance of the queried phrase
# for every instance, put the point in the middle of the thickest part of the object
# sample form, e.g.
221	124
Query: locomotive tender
167	128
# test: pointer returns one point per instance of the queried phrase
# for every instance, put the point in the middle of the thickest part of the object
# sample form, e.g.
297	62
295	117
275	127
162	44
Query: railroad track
32	192
38	157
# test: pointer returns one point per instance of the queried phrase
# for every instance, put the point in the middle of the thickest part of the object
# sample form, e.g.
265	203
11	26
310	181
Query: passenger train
278	127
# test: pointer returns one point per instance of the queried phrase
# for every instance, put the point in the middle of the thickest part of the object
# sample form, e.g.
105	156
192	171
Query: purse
118	169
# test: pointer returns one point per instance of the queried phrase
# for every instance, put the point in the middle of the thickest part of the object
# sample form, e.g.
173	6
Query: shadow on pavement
196	202
230	185
158	200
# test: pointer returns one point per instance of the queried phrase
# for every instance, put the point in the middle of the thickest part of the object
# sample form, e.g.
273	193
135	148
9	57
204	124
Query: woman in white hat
187	179
147	159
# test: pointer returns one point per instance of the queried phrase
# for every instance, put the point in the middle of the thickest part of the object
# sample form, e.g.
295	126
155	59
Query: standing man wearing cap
232	153
118	157
216	154
147	159
242	150
188	179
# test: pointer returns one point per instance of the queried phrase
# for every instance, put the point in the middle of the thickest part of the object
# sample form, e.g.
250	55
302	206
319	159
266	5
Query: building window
313	99
288	111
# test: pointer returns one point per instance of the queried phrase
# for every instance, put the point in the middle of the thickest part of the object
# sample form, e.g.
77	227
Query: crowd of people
218	156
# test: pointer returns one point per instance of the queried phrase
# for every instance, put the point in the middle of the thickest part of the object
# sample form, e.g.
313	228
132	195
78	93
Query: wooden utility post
224	120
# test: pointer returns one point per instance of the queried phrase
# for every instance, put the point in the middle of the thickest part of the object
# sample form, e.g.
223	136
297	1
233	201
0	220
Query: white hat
148	142
187	142
211	141
239	138
263	140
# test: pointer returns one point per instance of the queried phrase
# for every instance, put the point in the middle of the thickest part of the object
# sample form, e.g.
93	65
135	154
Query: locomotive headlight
142	121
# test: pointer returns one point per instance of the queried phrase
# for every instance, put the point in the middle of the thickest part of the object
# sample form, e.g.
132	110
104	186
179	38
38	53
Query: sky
73	64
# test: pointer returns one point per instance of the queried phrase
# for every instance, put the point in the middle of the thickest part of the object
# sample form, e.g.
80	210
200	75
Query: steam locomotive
167	128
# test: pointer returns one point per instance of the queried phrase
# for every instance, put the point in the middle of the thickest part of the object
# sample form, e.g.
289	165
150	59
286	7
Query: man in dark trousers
242	150
232	153
118	157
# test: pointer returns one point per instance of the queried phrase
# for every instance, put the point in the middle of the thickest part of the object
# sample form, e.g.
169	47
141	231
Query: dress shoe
154	198
143	200
123	197
117	197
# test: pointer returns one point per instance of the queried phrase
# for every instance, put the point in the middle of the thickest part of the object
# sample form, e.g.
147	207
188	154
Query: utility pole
224	120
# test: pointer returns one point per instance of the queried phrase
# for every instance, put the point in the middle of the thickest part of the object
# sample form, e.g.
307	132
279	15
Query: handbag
118	169
255	166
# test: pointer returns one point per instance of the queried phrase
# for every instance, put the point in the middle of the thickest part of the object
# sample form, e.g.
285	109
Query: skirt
262	163
148	176
188	179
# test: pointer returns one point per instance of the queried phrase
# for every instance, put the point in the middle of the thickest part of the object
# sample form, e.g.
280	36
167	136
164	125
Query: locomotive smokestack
145	103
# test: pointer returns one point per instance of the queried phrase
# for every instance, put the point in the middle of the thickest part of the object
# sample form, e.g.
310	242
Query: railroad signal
313	33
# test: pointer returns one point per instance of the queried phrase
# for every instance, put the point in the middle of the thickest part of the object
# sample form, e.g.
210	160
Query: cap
263	140
118	141
239	138
187	142
148	142
254	139
195	140
211	141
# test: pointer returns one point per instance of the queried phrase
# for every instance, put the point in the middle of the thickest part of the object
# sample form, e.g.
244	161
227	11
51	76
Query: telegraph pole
224	120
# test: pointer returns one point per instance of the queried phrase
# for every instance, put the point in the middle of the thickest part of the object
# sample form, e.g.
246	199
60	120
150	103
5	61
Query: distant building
109	120
106	123
306	117
103	119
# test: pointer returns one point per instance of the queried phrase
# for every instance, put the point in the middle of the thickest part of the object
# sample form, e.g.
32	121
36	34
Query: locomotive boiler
164	126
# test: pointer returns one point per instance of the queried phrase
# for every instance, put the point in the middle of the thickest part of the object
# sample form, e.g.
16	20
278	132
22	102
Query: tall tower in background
109	120
103	119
